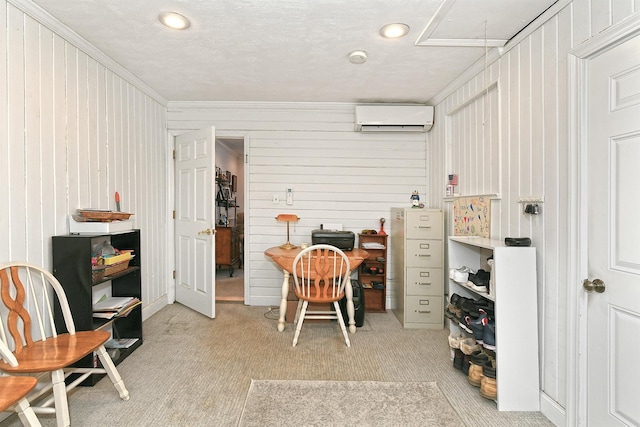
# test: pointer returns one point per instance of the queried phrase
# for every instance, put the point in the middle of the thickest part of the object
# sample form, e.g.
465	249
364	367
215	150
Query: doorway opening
230	215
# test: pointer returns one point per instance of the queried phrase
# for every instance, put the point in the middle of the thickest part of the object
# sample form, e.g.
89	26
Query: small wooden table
284	258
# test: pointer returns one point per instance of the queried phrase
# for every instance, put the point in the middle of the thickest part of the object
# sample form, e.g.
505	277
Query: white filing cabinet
417	245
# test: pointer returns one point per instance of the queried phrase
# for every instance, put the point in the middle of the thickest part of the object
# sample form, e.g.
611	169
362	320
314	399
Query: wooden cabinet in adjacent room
227	246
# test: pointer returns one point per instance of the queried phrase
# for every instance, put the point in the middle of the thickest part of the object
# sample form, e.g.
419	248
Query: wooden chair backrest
28	293
321	272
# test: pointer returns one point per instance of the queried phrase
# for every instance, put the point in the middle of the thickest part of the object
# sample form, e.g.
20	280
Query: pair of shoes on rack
455	339
478	360
479	281
484	330
460	274
458	357
488	385
489	334
469	346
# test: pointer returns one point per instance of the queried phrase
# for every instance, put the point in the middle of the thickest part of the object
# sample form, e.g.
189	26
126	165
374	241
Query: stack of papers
110	307
372	245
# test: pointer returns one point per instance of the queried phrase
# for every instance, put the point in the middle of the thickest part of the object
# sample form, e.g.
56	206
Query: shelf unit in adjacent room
513	288
72	267
373	272
417	245
227	231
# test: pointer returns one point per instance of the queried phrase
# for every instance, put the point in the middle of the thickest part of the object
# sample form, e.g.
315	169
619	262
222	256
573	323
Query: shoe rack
514	283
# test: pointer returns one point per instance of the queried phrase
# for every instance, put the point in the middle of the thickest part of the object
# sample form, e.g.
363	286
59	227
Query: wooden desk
284	258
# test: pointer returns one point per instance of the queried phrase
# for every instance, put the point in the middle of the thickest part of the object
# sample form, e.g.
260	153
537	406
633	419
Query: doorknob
595	285
207	231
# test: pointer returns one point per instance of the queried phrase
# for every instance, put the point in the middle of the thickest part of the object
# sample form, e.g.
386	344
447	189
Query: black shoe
479	281
465	364
458	357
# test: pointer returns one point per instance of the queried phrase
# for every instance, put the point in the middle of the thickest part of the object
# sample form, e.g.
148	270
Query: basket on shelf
97	273
112	269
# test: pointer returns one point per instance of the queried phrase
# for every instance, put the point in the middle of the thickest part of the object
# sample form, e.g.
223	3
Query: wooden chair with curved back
29	294
15	389
321	273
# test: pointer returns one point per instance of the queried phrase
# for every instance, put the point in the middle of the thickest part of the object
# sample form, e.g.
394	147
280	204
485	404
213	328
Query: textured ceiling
294	50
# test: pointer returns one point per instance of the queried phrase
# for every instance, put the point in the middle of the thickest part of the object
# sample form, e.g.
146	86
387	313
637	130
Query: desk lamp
288	218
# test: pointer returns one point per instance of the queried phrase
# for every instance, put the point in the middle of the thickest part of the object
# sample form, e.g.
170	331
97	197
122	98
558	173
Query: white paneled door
614	236
195	225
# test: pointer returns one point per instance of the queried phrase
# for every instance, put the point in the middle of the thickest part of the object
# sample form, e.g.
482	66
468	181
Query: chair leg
297	315
112	372
303	311
341	321
26	414
60	398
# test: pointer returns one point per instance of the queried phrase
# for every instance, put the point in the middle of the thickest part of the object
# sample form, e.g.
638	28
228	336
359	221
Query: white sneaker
460	275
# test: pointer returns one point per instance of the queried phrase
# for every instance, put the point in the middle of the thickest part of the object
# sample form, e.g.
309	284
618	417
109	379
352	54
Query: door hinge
174	214
246	158
174	154
174	274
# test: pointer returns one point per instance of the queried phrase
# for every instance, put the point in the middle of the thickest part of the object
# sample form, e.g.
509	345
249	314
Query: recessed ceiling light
174	20
394	31
358	57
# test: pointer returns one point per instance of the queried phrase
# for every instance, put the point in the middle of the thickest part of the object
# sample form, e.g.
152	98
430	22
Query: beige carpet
230	288
194	371
347	403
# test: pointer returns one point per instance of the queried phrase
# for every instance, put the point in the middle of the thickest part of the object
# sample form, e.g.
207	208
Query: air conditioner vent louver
393	118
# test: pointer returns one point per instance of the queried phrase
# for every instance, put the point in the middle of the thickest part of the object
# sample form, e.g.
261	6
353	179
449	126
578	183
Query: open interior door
195	225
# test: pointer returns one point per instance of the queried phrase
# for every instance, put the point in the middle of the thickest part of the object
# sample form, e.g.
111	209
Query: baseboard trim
552	410
151	309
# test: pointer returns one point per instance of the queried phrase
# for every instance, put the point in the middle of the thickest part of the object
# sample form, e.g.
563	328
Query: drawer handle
424	255
424	283
424	311
424	226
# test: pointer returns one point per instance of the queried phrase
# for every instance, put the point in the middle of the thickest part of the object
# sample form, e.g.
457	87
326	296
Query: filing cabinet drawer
424	224
424	253
424	310
424	281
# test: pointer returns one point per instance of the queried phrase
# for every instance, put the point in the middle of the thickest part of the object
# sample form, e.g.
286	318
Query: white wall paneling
533	158
74	132
337	175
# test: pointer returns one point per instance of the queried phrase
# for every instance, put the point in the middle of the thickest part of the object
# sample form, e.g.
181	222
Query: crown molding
55	25
260	105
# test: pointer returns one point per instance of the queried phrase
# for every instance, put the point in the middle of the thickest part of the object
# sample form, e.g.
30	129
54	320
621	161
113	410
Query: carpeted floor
230	288
195	371
347	403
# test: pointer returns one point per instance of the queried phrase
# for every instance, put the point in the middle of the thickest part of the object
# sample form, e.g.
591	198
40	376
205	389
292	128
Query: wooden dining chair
29	295
320	274
14	389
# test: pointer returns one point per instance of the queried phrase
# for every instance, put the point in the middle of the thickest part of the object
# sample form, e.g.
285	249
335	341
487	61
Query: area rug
346	403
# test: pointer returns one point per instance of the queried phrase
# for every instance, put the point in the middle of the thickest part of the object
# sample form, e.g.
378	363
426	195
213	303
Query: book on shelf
110	307
111	303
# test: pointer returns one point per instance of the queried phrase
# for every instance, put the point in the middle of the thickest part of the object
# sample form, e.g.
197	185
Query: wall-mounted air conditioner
393	118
